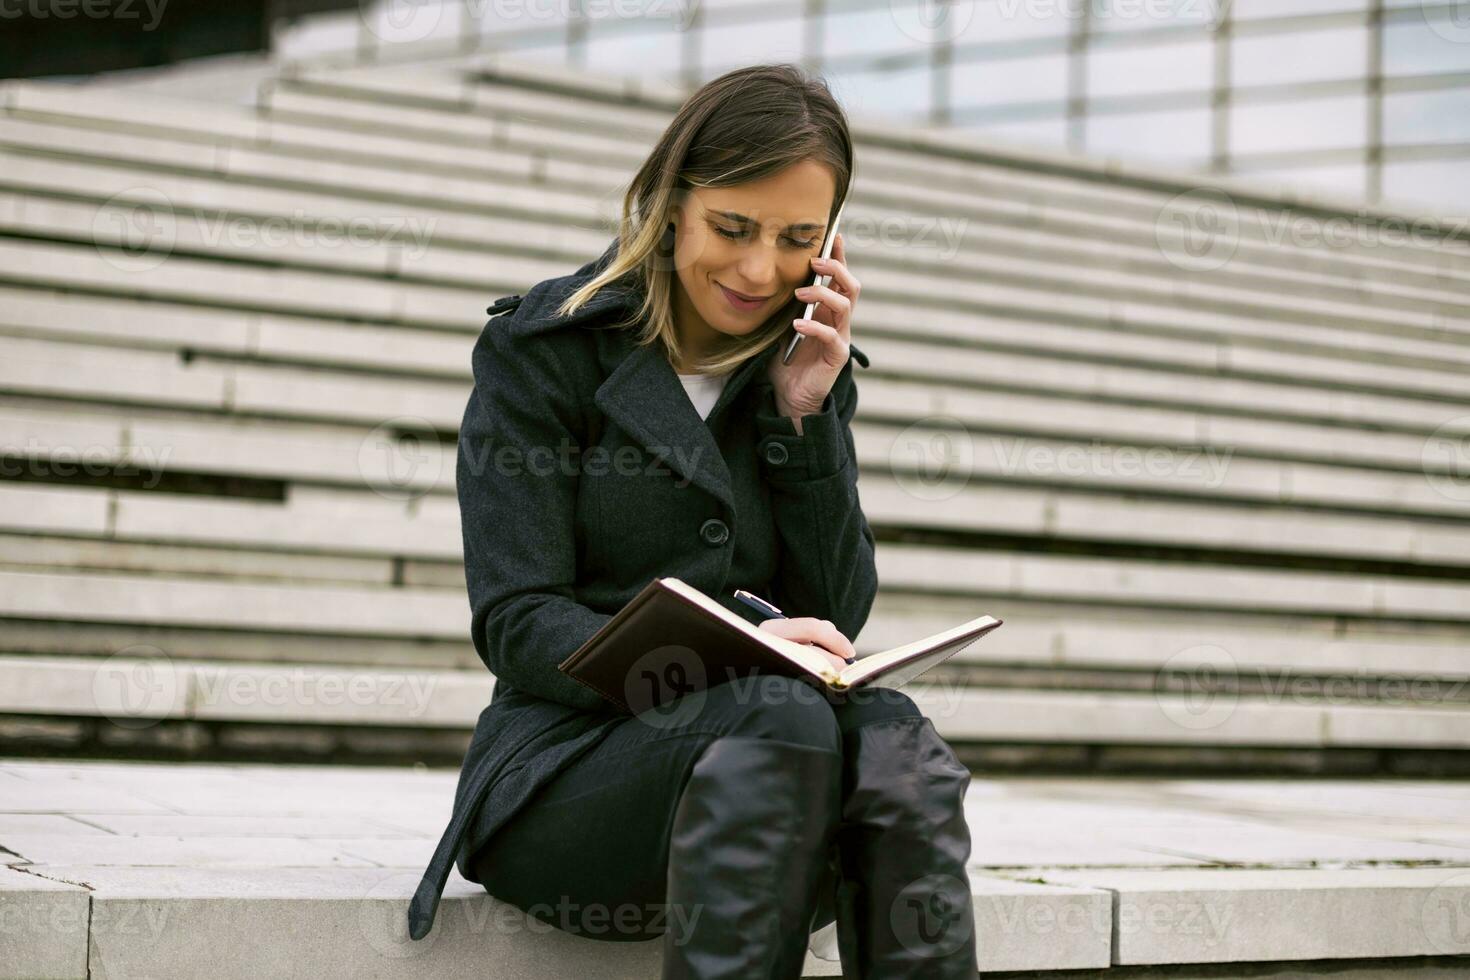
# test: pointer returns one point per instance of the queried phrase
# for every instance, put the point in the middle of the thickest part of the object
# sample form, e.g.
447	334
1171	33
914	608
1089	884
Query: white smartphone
819	280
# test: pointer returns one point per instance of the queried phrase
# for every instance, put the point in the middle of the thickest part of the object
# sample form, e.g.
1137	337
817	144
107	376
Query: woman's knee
869	705
776	707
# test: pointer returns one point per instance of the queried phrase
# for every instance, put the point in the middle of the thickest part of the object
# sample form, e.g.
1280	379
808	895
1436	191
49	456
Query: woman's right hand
819	632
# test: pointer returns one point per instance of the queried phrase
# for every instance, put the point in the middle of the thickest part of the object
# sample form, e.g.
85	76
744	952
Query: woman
632	420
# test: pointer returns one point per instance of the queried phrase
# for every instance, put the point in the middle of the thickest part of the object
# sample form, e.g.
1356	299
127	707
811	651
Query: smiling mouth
743	296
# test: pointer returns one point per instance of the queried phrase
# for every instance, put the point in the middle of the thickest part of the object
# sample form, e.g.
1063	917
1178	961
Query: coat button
776	453
714	532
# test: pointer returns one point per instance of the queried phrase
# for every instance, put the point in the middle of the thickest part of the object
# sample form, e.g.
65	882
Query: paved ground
242	834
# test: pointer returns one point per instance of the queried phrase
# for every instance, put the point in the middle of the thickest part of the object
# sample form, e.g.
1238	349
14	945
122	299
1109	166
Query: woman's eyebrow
742	219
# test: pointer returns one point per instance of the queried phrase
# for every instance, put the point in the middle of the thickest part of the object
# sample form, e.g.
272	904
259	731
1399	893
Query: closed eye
738	235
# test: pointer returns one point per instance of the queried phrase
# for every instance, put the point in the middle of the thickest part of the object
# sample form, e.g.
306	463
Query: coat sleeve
827	567
517	475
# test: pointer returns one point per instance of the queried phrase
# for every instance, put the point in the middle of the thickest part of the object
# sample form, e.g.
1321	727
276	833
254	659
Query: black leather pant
588	853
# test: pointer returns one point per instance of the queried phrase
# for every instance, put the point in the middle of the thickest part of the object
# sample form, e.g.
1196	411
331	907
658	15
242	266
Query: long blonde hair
745	125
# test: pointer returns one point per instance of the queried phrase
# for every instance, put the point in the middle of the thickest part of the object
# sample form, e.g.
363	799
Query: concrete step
1109	648
436	221
274	188
113	527
1063	181
1159	347
140	686
1033	438
149	442
990	578
247	145
156	377
125	869
68	365
184	277
133	322
36	117
319	293
1365	432
1112	358
247	286
1038	182
491	95
1103	185
418	232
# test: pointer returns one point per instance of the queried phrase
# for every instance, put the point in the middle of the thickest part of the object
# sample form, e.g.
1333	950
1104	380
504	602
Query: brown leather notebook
671	639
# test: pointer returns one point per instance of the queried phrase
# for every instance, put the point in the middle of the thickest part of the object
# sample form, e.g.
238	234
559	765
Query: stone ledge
254	922
1232	915
99	921
127	869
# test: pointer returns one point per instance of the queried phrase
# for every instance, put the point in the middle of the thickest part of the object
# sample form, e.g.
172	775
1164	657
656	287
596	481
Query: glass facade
1367	97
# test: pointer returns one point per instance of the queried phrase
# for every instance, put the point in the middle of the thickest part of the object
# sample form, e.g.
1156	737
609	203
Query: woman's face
751	240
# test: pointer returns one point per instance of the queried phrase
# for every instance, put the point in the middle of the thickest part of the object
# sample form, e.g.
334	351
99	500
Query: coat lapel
644	397
642	393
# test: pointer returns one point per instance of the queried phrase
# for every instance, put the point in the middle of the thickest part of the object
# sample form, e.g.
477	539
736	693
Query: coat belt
425	903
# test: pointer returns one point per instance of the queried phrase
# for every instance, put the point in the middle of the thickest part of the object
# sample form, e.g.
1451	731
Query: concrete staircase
1206	463
1186	437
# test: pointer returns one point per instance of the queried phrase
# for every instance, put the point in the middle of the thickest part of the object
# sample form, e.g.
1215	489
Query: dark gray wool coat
558	537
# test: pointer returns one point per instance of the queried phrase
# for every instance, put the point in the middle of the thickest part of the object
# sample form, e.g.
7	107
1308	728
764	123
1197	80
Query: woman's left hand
802	385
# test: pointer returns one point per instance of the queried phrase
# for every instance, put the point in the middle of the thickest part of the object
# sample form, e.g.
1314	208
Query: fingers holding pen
820	632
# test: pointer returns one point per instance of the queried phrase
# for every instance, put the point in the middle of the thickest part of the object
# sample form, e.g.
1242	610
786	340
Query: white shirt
704	390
